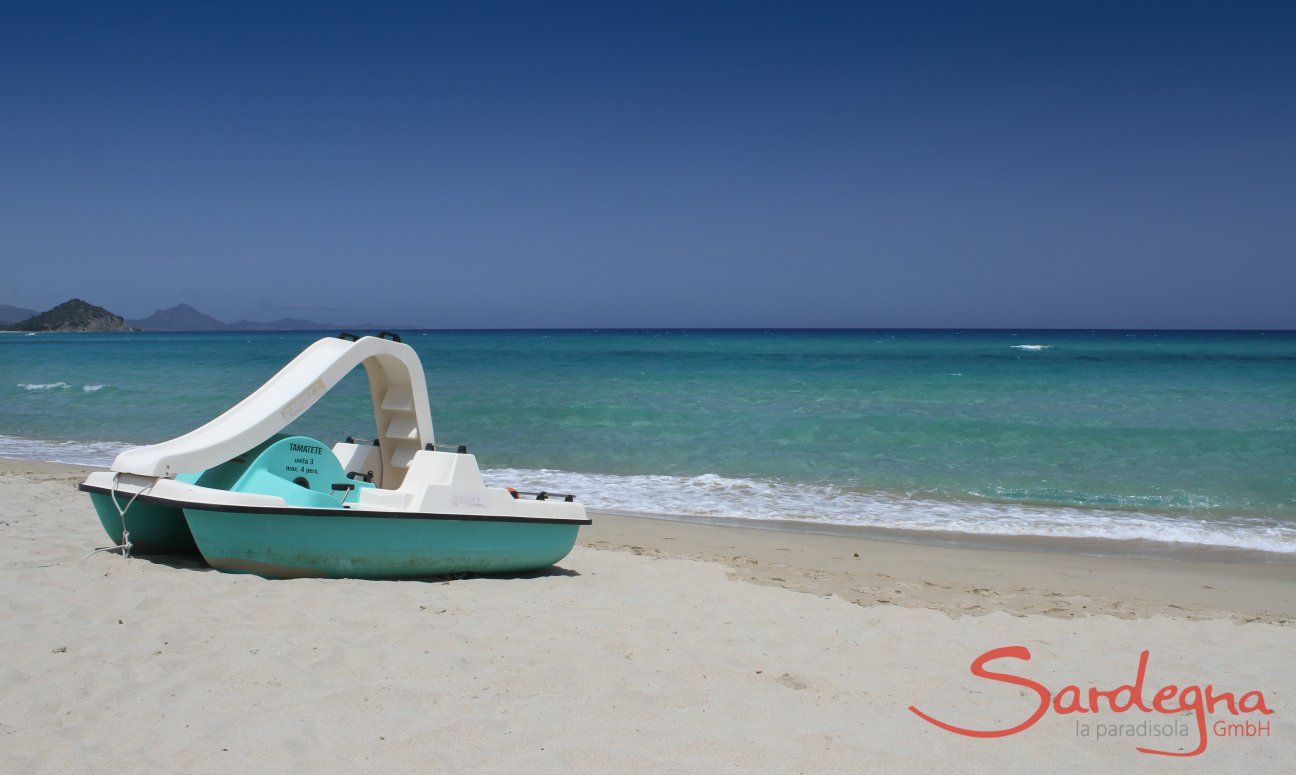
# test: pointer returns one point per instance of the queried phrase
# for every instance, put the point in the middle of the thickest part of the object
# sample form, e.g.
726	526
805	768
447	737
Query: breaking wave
86	453
1032	347
710	495
34	386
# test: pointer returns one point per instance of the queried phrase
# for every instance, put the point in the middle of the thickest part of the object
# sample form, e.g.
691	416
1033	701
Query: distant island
78	315
72	315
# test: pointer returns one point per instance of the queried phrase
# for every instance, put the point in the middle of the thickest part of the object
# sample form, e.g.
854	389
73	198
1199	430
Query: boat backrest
298	469
441	469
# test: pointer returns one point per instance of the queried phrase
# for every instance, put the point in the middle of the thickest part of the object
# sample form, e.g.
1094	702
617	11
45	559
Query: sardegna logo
1169	700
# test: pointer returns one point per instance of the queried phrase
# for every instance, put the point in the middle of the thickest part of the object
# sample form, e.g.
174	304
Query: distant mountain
77	315
181	317
282	324
11	314
72	315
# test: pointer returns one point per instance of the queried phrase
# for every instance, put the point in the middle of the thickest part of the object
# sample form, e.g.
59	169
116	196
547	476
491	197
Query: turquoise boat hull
321	531
367	547
154	528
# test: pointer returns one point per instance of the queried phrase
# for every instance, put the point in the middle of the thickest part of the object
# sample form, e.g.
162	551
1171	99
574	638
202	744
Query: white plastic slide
396	384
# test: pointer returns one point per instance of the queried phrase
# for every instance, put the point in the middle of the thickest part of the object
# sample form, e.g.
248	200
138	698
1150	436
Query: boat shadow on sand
192	563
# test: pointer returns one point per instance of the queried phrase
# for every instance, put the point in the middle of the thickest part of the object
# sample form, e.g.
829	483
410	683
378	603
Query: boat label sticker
303	400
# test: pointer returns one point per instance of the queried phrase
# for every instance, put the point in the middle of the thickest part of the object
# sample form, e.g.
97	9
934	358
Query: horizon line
398	329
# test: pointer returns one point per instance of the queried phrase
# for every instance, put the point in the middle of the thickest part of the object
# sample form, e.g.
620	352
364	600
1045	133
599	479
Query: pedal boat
252	499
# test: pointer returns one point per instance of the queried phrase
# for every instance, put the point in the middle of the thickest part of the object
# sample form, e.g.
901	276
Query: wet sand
964	580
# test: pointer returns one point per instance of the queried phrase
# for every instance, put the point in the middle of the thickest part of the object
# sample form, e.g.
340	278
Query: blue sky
655	164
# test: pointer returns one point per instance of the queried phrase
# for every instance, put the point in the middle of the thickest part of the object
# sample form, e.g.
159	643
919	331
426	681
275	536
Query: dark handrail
381	335
544	495
462	449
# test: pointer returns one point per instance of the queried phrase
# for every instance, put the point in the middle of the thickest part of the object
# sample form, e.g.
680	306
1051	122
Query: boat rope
125	545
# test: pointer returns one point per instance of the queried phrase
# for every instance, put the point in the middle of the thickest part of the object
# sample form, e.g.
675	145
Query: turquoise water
1160	436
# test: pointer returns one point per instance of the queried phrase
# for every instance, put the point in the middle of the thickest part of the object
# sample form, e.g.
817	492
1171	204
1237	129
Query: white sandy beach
654	645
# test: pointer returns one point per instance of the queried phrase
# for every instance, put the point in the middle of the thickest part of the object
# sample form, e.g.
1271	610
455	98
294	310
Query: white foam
58	386
86	453
710	495
1032	347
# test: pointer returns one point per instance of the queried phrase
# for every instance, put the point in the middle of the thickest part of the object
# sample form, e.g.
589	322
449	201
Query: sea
1157	437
